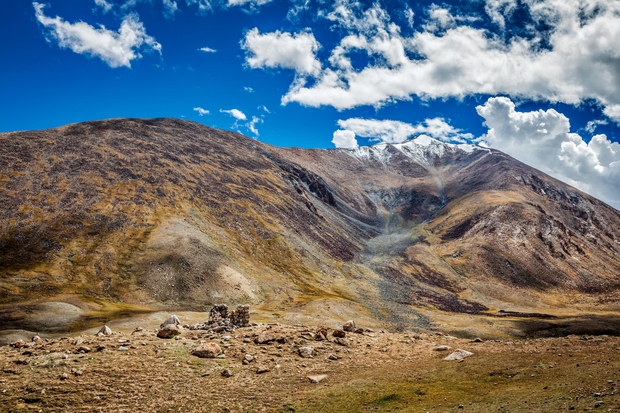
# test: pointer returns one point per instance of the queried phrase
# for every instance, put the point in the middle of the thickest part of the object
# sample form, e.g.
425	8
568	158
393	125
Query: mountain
129	214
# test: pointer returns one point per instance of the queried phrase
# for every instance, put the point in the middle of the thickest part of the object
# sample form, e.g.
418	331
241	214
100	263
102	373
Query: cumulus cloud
117	49
591	125
201	111
344	139
252	125
394	131
235	113
573	59
207	50
543	140
280	49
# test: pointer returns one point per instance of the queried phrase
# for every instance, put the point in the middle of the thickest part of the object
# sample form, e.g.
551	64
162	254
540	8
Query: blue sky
538	79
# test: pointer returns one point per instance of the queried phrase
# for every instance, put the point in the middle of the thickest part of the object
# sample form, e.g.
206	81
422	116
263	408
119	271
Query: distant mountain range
165	212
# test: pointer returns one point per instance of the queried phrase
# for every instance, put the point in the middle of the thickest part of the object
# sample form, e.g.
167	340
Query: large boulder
207	350
169	331
172	320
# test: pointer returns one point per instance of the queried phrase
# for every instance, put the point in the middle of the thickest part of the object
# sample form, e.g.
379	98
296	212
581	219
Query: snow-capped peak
422	149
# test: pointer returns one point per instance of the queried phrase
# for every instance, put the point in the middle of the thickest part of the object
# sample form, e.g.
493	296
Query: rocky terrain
102	220
273	367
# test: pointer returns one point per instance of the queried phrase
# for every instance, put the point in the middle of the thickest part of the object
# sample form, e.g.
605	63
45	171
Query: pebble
227	373
305	351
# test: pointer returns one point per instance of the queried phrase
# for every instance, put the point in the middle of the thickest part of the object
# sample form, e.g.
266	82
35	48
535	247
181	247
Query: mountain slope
173	213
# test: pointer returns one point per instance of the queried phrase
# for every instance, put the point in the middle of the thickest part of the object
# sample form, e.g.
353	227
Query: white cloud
251	3
252	125
203	5
115	48
235	113
575	59
344	139
264	108
207	50
105	6
201	111
170	7
591	126
542	139
277	49
393	131
248	89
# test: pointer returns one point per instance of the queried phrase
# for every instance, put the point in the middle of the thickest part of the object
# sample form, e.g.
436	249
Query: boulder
317	378
168	331
105	331
349	326
305	351
459	355
207	350
172	320
339	333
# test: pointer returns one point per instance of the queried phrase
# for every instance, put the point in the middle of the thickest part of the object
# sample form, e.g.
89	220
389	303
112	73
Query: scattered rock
262	369
169	331
248	358
269	336
123	348
77	372
227	373
321	334
100	347
459	355
305	351
18	344
105	331
317	378
333	357
207	350
339	333
35	339
172	320
598	403
477	340
137	330
78	341
83	349
442	348
349	326
64	376
341	341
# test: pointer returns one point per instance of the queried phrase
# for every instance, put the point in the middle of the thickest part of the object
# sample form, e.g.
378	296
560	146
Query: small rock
137	329
100	347
305	351
18	344
321	334
35	339
78	341
477	340
339	333
123	348
459	355
262	369
598	403
172	320
104	331
333	357
341	341
64	376
83	349
78	372
169	331
227	373
249	358
442	348
207	350
269	336
349	326
226	338
317	378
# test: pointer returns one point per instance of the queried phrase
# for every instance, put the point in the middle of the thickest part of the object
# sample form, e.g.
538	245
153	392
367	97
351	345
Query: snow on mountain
422	149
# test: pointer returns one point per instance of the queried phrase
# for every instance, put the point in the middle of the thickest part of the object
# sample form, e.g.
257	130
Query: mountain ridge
164	212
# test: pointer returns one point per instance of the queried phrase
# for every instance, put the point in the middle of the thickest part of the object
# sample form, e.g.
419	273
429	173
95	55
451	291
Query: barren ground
375	371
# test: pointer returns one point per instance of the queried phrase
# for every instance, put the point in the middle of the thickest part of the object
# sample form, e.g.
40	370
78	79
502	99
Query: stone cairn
220	319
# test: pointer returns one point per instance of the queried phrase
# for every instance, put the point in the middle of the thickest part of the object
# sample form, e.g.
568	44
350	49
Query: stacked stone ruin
220	319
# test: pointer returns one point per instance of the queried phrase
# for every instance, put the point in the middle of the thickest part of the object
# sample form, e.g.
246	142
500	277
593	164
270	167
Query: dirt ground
370	372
